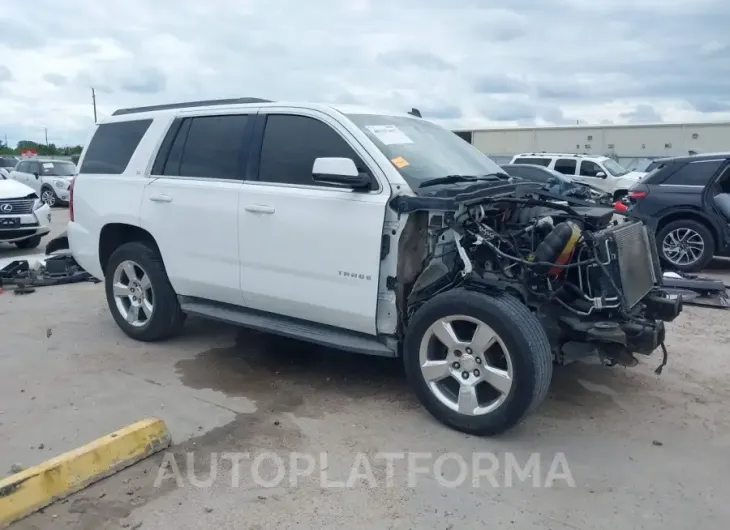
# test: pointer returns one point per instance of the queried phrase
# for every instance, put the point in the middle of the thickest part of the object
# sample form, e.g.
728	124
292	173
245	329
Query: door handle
161	198
259	208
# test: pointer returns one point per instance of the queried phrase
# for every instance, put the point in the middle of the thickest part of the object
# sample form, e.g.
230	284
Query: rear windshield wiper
449	179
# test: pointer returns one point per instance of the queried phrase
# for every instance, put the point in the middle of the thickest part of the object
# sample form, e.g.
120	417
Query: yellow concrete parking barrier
34	488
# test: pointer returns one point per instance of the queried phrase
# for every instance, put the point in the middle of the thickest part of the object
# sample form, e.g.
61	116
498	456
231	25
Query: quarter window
112	147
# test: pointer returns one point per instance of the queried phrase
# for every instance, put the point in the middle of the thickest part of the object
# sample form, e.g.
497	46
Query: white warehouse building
629	144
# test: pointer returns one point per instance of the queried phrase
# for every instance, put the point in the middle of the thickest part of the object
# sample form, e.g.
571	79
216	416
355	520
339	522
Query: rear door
310	251
566	166
191	205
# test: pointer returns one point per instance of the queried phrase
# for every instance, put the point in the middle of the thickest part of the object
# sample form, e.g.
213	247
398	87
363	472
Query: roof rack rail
190	104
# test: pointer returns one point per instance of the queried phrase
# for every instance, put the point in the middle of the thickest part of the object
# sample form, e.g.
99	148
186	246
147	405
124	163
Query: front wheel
477	363
48	196
139	294
31	242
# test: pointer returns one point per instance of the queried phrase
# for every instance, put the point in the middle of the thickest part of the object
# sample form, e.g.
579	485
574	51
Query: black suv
689	197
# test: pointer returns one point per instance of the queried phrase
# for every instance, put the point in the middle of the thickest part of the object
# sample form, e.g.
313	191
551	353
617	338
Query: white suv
367	232
599	171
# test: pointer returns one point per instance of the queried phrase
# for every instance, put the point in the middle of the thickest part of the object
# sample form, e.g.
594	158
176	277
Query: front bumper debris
696	290
27	274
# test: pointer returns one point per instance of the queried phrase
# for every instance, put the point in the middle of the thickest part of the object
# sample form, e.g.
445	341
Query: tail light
71	199
620	206
638	194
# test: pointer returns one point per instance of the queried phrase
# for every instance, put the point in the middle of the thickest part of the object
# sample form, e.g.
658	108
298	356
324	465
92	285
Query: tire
166	318
518	330
48	196
31	242
686	226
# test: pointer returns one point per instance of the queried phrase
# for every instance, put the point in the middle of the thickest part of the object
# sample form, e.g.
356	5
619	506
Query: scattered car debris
696	290
56	269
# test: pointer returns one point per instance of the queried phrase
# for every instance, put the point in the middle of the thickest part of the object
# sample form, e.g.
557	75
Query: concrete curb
30	490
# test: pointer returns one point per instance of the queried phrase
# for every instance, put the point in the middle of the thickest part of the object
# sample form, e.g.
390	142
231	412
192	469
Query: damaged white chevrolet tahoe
372	233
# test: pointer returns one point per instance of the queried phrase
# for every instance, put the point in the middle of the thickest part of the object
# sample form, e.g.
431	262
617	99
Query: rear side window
112	147
566	166
694	173
208	147
23	167
536	161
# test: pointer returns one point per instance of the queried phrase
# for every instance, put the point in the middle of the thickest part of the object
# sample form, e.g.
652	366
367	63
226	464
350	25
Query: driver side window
589	169
292	143
23	167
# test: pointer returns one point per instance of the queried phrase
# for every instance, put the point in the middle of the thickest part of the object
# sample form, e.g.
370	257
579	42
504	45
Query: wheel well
679	216
114	235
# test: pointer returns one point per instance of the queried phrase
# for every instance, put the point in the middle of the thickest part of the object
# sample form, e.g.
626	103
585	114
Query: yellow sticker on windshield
399	162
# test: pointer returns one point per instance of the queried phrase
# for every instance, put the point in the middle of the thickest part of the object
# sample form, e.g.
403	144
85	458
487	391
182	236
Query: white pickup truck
369	232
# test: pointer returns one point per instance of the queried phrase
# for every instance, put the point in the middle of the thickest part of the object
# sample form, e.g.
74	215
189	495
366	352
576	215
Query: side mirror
340	172
601	175
35	175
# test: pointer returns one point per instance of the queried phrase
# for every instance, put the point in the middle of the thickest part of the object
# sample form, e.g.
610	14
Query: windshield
614	167
422	150
58	169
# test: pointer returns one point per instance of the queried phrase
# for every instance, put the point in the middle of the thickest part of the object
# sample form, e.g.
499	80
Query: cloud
55	79
5	74
465	63
642	114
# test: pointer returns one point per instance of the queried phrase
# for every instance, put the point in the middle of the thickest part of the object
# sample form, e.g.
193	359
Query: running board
285	326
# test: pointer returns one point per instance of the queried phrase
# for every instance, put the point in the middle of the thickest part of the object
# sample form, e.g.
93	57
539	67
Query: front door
588	173
310	251
191	206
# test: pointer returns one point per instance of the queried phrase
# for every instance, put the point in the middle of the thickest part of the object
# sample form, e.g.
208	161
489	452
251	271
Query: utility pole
93	102
46	129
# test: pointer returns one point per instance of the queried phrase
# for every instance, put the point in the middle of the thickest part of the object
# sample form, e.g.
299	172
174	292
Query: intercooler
628	252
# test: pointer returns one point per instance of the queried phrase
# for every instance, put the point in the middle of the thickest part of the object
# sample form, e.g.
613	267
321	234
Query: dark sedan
558	183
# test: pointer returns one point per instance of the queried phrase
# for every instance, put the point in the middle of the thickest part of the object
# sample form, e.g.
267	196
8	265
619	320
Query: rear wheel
686	245
139	294
477	363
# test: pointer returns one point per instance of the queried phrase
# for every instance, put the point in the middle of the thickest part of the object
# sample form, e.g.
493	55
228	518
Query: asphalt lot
644	451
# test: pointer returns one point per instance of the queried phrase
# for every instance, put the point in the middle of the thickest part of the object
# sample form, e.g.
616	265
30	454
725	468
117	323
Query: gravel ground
640	451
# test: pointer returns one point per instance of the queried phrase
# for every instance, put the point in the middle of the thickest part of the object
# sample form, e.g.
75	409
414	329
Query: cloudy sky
464	63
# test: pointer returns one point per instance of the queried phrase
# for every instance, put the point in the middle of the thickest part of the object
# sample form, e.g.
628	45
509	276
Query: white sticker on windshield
47	165
389	134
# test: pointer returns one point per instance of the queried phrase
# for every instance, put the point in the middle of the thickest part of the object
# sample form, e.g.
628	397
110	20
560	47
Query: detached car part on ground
479	283
24	218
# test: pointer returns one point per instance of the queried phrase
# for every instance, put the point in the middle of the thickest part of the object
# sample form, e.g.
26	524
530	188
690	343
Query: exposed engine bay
593	282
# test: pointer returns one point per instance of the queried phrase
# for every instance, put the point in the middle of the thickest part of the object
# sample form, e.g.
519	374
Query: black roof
190	104
693	158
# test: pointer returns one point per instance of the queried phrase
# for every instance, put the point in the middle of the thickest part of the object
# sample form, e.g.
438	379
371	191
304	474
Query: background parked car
599	171
690	199
49	178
